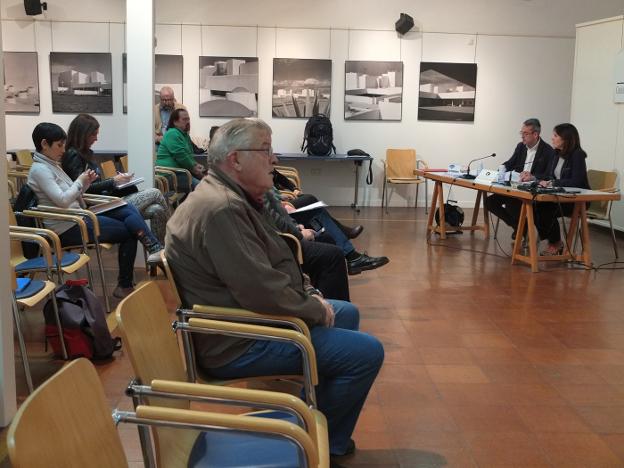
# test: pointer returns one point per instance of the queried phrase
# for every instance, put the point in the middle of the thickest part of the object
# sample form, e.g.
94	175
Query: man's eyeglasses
268	152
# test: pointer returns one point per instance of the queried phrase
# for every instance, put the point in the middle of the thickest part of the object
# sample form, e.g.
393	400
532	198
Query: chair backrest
24	157
145	325
601	180
123	160
108	169
401	163
66	422
17	251
170	279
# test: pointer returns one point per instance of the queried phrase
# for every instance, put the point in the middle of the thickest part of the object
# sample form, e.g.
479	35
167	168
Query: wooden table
579	216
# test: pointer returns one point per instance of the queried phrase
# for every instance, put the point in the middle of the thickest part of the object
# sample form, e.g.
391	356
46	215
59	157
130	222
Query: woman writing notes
82	134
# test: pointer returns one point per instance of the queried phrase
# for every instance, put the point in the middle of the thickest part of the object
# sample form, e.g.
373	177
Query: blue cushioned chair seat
231	449
39	263
30	290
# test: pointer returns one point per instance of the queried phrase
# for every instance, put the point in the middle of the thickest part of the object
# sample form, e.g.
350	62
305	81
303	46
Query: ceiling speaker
34	7
404	23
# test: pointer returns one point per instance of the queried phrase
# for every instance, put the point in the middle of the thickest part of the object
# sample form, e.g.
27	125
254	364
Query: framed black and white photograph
81	82
301	87
228	86
373	90
447	91
21	83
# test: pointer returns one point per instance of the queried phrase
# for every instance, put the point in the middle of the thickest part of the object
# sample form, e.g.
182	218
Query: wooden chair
29	294
75	215
173	194
108	169
153	349
605	181
123	160
24	159
400	167
194	374
62	262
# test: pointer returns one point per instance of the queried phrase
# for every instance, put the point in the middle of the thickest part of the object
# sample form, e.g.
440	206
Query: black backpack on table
318	138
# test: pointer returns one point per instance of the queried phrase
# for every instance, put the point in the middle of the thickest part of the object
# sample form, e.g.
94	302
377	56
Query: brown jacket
158	120
223	252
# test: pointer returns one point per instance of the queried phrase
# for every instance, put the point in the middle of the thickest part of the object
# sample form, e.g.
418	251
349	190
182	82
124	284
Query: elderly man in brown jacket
224	252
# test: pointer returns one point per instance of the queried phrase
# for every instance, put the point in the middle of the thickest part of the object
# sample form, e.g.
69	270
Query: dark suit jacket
541	163
573	172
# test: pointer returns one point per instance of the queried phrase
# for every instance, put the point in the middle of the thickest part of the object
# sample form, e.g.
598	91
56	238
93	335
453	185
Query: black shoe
353	232
350	450
364	262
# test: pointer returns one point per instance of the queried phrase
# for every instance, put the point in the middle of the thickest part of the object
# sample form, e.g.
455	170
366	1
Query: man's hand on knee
330	315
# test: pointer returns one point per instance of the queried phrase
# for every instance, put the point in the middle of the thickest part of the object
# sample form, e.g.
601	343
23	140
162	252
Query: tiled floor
486	365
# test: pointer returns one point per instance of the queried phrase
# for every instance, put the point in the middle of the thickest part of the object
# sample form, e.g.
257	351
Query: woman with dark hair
53	187
567	169
176	149
82	134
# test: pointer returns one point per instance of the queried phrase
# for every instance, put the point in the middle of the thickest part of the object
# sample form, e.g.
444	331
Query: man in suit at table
531	159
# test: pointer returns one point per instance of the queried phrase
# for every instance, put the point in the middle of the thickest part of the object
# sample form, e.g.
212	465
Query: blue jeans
348	362
321	217
119	226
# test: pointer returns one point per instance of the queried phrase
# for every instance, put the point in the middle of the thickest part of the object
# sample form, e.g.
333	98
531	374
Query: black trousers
546	216
506	208
326	266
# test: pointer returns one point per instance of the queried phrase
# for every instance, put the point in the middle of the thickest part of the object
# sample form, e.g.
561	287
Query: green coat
176	150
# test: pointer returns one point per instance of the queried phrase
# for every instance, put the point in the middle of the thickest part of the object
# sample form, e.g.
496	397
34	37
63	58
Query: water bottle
479	168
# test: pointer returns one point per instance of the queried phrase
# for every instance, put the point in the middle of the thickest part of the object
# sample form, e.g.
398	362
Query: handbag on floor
83	319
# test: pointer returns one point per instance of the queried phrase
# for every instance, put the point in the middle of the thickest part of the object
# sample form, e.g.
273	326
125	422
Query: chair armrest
257	332
18	174
98	198
247	316
52	238
74	211
38	213
207	420
45	247
178	170
239	396
294	245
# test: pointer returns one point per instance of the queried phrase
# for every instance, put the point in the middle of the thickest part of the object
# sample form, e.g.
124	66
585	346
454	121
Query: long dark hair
81	128
175	115
571	139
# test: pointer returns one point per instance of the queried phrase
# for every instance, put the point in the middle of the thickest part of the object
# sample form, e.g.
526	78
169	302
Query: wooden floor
487	364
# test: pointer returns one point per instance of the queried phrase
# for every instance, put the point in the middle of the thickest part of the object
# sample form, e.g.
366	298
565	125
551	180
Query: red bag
77	342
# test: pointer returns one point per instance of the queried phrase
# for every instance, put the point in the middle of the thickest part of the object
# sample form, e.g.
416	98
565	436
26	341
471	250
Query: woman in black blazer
567	169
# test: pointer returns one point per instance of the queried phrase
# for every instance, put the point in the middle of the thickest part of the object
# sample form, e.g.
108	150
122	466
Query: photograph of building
301	87
447	91
21	83
373	90
81	82
228	86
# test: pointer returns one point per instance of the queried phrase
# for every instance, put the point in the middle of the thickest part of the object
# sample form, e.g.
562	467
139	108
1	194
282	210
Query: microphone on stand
467	175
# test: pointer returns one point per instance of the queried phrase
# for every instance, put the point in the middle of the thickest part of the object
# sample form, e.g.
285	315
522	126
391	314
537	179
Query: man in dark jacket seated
531	158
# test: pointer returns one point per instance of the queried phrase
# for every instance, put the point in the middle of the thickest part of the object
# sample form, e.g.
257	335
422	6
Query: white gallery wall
600	120
523	71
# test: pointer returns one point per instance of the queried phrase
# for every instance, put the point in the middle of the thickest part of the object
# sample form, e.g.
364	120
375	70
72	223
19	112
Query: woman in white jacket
53	187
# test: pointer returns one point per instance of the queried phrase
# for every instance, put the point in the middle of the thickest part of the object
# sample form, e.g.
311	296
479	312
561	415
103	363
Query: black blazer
573	172
541	164
73	164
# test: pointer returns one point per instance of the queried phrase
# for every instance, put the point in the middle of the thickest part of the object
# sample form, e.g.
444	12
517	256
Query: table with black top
356	160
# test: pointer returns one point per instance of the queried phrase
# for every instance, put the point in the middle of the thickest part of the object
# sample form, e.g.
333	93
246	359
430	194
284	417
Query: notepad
107	206
313	206
130	183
